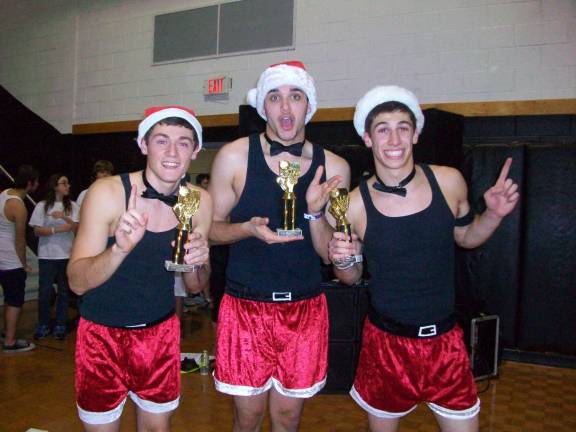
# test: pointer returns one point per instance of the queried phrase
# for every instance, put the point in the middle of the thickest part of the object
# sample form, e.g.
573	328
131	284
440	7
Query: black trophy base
296	232
185	268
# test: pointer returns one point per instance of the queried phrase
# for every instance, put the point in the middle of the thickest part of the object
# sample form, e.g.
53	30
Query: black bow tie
151	193
396	190
277	148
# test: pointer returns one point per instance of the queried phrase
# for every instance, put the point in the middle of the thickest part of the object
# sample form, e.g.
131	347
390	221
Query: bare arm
317	197
197	246
231	162
91	261
500	201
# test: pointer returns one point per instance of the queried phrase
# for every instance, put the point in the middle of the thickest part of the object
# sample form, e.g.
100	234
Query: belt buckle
427	331
281	296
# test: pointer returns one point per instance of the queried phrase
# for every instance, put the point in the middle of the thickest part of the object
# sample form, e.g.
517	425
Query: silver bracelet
348	262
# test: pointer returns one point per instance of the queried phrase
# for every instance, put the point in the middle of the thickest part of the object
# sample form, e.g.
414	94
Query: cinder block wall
81	61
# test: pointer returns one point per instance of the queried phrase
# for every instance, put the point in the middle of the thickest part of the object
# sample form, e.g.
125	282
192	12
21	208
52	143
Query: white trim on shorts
104	417
455	415
374	411
298	393
96	418
437	409
240	390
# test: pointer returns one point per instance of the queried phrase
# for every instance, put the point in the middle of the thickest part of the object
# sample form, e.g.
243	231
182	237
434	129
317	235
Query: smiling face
169	149
286	108
391	137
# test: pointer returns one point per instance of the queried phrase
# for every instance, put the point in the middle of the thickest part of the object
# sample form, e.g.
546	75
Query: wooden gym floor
36	391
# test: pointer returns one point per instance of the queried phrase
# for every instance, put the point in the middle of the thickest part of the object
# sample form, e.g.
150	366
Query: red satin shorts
396	373
112	362
265	344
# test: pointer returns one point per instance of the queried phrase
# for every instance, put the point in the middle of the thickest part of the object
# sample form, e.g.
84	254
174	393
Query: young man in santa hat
128	339
408	217
272	334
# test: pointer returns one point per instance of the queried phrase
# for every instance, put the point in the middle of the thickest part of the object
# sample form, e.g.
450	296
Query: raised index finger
505	170
132	199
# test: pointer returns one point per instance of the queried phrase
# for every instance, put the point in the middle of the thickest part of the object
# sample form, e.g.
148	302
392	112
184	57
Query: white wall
85	61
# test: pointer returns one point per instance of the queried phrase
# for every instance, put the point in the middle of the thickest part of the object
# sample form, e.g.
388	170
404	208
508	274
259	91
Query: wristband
53	231
345	266
467	219
349	262
314	216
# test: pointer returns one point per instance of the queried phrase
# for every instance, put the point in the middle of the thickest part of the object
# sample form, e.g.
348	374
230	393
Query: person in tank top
128	338
407	218
13	265
272	333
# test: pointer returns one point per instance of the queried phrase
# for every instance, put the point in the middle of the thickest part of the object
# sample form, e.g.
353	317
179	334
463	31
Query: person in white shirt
101	169
55	221
13	267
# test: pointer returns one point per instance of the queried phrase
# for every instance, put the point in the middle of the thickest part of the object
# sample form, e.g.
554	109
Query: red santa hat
381	94
287	73
155	114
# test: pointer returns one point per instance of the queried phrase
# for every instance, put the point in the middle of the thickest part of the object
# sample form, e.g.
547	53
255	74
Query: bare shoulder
335	160
356	212
234	151
105	197
15	209
355	196
449	179
337	165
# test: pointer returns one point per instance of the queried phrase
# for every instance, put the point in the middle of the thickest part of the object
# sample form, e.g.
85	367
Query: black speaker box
342	361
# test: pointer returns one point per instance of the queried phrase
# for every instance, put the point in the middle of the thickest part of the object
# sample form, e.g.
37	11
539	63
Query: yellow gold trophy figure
339	203
289	174
185	208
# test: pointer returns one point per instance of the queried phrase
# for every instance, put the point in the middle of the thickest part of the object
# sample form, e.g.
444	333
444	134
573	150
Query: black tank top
411	259
140	291
255	268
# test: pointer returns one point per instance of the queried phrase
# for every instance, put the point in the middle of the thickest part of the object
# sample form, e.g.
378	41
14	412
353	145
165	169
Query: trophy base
297	232
185	268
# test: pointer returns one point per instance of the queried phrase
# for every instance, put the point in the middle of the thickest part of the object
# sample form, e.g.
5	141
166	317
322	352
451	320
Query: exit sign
217	86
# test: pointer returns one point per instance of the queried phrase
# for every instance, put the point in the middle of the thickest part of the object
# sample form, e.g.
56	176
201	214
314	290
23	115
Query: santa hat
381	94
286	73
155	114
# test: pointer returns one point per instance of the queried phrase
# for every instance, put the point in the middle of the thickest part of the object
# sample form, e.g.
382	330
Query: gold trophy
289	174
339	203
185	208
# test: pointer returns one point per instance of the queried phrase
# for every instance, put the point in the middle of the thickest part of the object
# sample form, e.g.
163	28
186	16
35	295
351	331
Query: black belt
151	323
273	297
408	330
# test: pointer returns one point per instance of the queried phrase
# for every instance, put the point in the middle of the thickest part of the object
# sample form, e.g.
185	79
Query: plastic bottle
204	363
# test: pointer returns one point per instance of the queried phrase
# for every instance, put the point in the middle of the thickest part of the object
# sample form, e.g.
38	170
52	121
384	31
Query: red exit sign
218	85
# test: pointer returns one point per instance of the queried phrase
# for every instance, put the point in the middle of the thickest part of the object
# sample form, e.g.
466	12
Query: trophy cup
289	174
339	203
185	208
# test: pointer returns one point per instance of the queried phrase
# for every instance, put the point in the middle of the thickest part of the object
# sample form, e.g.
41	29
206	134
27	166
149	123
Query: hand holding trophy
186	207
339	203
289	174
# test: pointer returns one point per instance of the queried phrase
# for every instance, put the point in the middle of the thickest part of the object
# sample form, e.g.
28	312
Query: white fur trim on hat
279	75
382	94
150	120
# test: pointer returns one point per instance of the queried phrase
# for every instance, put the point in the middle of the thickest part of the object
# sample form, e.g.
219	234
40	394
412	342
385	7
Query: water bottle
204	363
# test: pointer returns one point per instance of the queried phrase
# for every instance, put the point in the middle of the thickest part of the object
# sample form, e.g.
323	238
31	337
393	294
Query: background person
54	221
